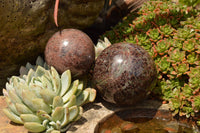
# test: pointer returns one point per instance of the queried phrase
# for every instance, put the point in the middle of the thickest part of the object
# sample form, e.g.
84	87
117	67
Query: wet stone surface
95	112
145	120
124	74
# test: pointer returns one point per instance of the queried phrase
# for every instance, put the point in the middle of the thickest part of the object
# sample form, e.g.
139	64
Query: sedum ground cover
170	32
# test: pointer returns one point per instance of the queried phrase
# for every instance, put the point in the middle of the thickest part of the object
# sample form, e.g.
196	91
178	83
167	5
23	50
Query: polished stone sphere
70	49
124	74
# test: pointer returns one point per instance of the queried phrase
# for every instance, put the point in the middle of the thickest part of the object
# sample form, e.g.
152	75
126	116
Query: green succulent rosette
44	101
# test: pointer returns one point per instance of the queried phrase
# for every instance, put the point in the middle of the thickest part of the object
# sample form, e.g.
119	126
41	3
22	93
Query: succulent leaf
30	76
55	80
23	109
189	45
12	116
39	61
65	119
43	100
39	103
34	127
80	88
162	46
47	95
182	68
154	34
43	115
13	96
30	118
57	114
71	102
57	101
73	113
176	55
40	71
166	30
27	95
92	95
164	64
66	81
101	45
11	106
82	97
196	104
194	71
187	91
71	91
194	81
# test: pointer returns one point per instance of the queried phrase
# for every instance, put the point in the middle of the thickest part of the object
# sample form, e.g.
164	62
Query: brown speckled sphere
70	49
124	74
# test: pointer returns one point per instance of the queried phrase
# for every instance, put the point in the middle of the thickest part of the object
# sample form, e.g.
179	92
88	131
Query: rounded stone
124	74
70	49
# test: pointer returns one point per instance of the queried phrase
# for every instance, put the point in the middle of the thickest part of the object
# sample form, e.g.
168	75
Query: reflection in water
144	121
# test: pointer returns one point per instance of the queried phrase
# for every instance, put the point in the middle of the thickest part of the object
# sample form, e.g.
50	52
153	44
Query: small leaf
39	61
19	87
11	106
40	71
14	97
66	81
36	89
73	112
30	76
80	88
46	83
55	80
57	114
23	109
71	102
47	95
80	113
34	127
43	115
27	97
29	66
30	118
82	98
65	120
13	117
92	95
72	91
23	70
57	101
39	104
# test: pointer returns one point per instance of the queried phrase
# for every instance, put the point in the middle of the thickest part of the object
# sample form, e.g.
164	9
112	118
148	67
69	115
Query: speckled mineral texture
70	49
124	74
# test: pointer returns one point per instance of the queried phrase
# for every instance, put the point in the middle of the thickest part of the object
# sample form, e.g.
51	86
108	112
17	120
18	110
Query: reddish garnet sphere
124	74
70	49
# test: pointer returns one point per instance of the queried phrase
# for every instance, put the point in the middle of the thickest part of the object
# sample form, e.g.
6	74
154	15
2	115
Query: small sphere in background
70	49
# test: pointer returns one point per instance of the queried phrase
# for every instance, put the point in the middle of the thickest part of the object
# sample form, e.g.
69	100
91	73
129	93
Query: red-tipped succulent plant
170	32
